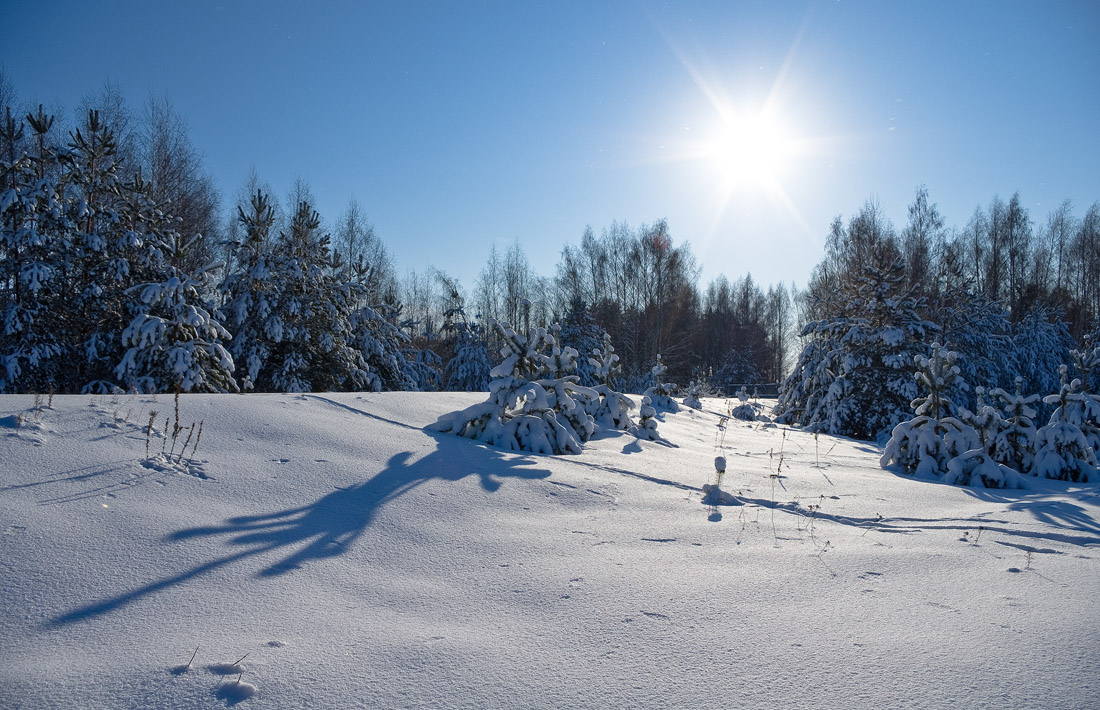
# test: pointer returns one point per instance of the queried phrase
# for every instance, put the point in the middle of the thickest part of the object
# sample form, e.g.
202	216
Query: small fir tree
612	409
925	444
532	402
1014	443
1062	452
661	393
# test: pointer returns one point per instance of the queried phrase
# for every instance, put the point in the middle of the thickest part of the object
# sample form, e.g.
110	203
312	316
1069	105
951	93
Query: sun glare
748	151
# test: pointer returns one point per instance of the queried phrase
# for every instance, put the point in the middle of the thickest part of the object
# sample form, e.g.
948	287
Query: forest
122	267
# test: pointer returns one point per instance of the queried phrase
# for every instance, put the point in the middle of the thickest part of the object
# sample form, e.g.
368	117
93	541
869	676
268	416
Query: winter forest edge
973	349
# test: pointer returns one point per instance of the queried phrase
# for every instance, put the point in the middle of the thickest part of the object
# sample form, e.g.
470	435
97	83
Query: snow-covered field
324	551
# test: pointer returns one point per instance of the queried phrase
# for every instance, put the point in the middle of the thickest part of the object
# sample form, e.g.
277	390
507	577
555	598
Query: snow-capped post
532	402
713	495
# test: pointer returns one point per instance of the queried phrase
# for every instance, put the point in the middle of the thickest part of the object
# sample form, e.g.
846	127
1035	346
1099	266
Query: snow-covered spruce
691	396
424	369
745	409
926	443
661	393
612	409
33	246
1061	449
1042	343
1087	362
646	428
468	370
532	402
1014	441
175	343
976	467
855	374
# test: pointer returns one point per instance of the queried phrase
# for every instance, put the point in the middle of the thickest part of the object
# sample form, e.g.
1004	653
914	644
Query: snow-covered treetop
937	374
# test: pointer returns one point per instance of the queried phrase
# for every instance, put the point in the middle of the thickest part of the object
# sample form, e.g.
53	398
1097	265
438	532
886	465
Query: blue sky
458	125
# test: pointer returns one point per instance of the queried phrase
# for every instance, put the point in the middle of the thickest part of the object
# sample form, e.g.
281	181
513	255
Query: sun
748	150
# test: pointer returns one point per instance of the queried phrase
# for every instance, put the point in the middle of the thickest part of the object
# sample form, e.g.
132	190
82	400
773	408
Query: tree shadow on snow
1049	507
330	526
1059	516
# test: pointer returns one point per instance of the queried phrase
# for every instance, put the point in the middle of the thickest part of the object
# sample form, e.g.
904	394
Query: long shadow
1059	515
329	526
1048	507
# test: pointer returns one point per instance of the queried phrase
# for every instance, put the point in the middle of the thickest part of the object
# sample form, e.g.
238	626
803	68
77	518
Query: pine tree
580	332
1087	362
175	342
691	396
32	230
661	393
315	352
979	330
381	343
1043	343
855	374
612	409
926	443
251	295
532	402
468	370
1014	442
97	260
1062	452
424	369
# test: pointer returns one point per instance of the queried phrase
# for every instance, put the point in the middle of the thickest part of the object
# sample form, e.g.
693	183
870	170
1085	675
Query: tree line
1012	300
119	268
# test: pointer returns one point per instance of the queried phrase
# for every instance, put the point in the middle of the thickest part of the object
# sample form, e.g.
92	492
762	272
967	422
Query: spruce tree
855	376
175	343
251	295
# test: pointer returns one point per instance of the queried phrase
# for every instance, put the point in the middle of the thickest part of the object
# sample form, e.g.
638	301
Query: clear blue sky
460	124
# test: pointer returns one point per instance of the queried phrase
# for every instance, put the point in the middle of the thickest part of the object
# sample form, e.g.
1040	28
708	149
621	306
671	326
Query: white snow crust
325	551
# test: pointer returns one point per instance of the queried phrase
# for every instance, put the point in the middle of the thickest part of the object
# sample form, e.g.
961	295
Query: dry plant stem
193	657
197	439
149	431
186	442
241	658
774	476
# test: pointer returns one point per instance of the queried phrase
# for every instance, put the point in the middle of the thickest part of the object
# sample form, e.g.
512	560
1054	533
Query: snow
326	551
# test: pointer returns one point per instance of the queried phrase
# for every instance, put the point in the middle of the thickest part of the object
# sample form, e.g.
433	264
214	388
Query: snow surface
325	551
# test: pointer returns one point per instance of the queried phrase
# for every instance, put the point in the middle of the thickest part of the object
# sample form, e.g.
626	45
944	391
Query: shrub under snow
533	400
